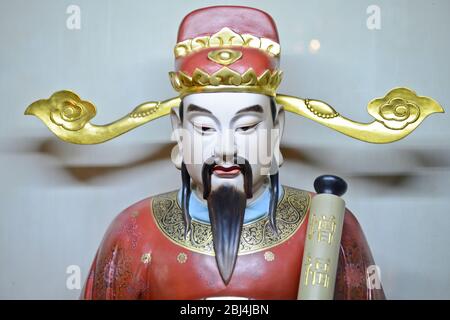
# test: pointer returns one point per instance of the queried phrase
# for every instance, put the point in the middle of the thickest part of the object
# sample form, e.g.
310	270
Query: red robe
144	256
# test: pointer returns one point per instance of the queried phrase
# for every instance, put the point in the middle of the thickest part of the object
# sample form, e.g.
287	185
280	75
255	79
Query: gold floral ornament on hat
226	38
227	80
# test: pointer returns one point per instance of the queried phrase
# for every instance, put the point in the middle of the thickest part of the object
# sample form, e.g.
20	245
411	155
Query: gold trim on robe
256	235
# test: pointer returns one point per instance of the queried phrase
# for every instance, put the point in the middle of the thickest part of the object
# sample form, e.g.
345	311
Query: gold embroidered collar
256	235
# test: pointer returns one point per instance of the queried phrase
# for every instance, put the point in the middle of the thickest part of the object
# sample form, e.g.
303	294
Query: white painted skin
224	132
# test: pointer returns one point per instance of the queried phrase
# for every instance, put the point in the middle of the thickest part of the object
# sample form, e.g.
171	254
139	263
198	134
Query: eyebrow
255	108
193	107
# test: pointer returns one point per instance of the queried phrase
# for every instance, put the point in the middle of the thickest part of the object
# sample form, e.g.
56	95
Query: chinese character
325	227
317	272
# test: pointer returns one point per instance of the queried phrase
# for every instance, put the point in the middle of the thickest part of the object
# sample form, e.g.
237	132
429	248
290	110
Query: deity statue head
228	126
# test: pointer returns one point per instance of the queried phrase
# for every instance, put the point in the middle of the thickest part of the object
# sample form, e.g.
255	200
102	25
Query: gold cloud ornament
401	107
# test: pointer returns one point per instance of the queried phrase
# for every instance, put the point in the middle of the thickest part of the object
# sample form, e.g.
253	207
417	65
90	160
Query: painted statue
231	229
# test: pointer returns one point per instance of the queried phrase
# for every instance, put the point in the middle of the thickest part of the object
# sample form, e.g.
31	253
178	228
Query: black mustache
244	166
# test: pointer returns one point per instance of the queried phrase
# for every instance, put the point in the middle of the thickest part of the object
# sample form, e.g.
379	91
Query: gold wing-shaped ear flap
396	115
67	116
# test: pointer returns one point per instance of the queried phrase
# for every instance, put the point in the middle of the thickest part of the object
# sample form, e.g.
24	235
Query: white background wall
56	199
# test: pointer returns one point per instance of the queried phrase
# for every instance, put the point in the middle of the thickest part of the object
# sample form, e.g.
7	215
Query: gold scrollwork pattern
226	38
227	79
68	110
400	107
256	235
397	113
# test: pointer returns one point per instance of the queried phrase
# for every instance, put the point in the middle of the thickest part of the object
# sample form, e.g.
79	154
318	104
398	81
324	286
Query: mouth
226	172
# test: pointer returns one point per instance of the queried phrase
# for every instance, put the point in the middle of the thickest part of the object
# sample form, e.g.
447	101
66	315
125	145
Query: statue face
225	126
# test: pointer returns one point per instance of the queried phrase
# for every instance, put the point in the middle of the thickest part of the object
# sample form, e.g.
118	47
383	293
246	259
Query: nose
225	148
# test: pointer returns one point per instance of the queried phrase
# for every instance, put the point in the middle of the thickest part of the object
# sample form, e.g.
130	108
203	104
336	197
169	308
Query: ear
177	127
279	125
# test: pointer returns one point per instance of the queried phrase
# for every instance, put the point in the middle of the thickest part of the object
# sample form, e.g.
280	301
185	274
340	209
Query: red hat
227	48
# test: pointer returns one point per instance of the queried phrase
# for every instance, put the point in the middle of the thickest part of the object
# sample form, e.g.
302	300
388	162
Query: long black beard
226	207
226	226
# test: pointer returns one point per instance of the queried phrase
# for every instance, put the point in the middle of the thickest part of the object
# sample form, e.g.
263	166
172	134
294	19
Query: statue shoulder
125	250
352	231
356	265
132	227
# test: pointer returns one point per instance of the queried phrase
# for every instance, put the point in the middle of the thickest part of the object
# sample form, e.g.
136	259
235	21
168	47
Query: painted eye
204	129
207	129
246	128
